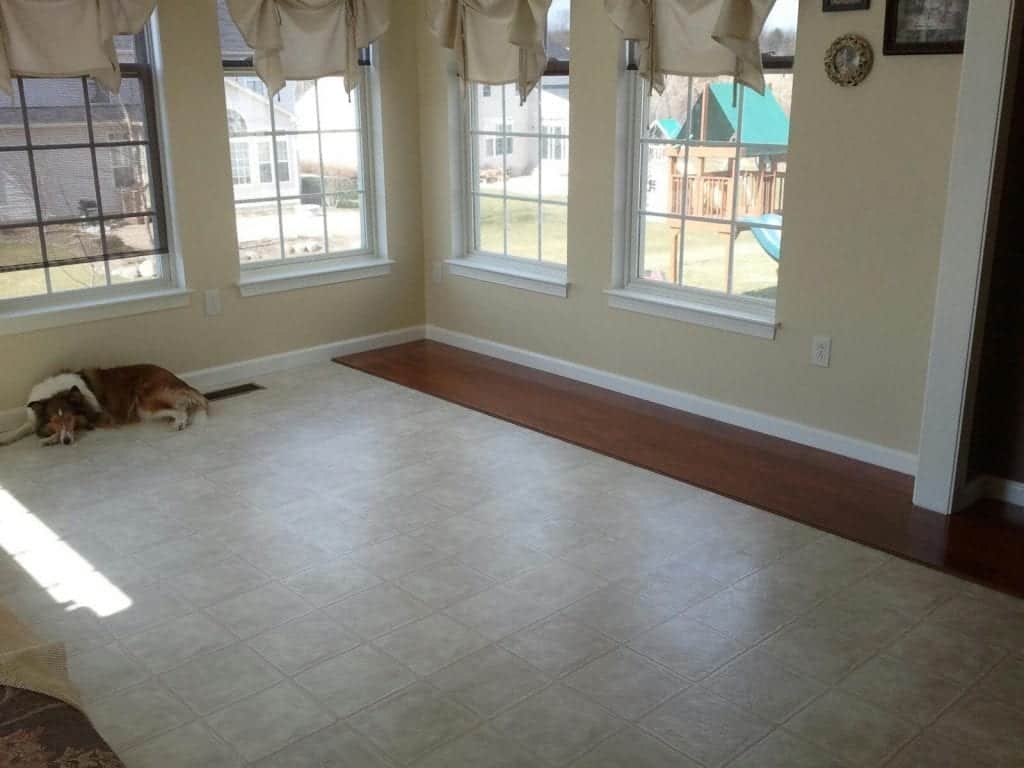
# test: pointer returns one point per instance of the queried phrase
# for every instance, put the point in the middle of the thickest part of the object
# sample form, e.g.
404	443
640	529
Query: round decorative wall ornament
849	60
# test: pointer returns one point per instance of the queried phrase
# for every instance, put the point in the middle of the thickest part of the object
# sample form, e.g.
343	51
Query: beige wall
865	200
185	339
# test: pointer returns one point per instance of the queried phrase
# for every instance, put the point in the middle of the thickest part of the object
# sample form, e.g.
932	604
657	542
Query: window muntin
518	170
83	205
708	180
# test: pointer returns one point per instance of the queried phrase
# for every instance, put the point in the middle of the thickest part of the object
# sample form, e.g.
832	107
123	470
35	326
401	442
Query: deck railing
711	196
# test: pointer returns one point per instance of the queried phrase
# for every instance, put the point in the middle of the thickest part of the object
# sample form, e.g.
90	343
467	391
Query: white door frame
970	210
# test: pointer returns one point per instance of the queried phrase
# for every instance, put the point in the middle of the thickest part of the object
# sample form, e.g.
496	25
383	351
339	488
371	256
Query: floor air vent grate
241	389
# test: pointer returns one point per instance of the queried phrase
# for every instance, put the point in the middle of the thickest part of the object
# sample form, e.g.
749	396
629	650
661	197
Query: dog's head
62	415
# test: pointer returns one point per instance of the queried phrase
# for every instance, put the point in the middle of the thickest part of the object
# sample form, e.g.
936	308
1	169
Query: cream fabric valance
495	41
695	37
306	39
65	38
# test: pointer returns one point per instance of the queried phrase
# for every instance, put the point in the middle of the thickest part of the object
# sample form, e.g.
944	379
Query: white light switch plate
213	304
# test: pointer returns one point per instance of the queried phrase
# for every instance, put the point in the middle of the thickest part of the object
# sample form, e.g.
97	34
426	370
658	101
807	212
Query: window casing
707	171
516	205
305	199
83	216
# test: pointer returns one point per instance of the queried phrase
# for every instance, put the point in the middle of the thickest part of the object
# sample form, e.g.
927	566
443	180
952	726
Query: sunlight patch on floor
68	577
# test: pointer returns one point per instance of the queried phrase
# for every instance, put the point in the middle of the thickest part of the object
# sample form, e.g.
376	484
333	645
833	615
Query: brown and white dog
62	404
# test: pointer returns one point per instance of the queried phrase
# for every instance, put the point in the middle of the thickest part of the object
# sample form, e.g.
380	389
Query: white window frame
371	260
533	275
740	314
166	291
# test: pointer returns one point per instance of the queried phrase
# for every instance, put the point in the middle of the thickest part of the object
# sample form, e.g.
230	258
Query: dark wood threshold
849	498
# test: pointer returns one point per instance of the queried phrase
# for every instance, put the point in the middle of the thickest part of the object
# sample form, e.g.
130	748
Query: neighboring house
67	189
521	155
253	171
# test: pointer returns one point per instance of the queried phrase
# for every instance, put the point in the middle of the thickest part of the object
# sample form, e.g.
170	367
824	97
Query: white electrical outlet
438	271
213	304
821	351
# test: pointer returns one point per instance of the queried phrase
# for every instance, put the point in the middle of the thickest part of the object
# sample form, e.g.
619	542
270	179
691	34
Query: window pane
247	103
554	231
284	161
706	256
17	285
56	110
17	246
522	229
660	244
138	233
778	38
75	277
16	203
344	223
135	269
558	30
337	112
492	224
341	162
12	128
259	231
756	262
67	187
307	158
67	242
241	173
521	168
663	183
124	179
490	161
118	116
265	162
295	107
519	118
303	229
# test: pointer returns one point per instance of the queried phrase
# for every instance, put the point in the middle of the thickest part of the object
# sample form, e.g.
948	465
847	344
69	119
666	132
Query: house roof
764	121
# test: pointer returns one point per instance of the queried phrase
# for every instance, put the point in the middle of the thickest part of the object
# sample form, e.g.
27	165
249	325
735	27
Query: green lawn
706	260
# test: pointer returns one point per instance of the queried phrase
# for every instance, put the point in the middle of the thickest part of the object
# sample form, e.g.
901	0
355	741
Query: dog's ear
39	407
75	395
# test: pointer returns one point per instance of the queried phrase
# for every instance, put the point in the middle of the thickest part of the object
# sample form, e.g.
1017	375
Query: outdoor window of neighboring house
240	164
300	164
517	201
81	197
708	179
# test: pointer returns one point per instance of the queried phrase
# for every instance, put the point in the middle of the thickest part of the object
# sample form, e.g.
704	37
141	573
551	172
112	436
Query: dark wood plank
852	499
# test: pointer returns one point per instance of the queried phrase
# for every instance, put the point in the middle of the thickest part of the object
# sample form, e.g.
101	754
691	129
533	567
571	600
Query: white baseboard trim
851	447
245	370
991	487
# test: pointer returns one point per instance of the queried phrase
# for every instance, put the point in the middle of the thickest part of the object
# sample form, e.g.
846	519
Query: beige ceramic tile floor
340	572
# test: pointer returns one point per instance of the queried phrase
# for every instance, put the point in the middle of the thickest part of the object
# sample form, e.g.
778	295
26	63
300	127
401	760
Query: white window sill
261	281
539	278
76	313
723	314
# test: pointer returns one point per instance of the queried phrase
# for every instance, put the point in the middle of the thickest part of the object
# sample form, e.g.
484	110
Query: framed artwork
924	26
830	6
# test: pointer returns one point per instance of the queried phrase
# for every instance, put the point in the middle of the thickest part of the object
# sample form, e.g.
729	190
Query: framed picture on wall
924	26
829	6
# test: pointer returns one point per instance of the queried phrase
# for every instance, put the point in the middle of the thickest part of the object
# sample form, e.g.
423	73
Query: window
240	163
283	162
81	196
266	162
308	196
709	178
518	174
